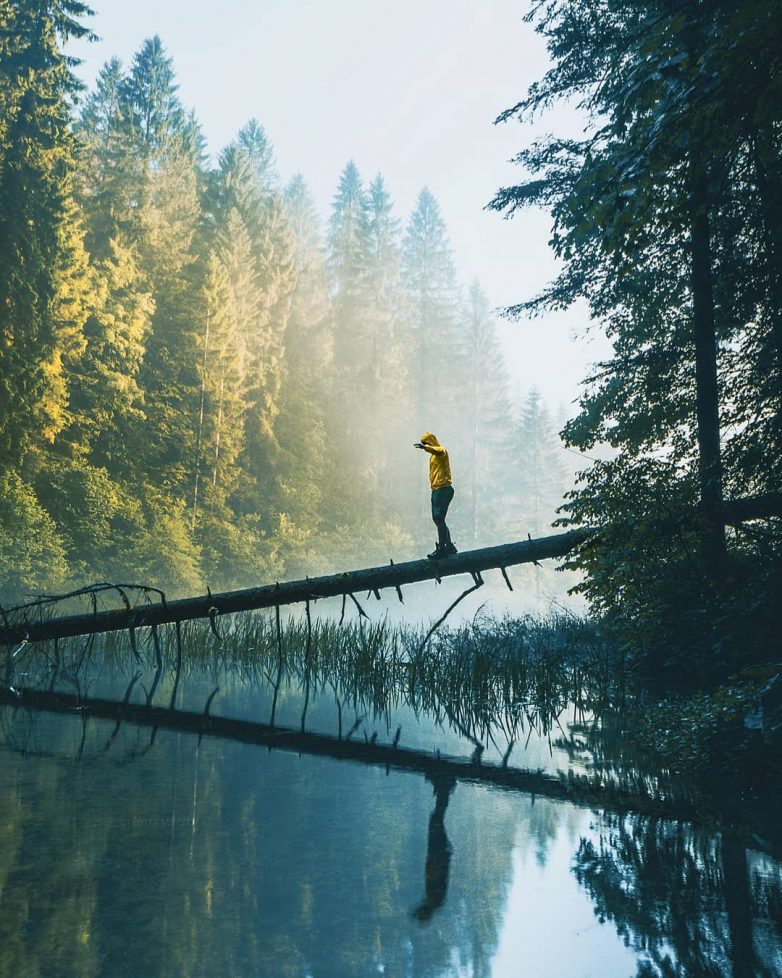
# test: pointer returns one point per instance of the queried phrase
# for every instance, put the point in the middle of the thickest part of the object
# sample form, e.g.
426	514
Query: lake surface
134	848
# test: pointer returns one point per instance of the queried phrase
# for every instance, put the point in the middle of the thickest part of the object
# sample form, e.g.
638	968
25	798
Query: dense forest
199	384
668	223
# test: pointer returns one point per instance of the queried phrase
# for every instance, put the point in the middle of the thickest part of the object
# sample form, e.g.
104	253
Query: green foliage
32	551
430	282
166	551
197	386
43	274
486	440
702	734
236	551
90	513
662	220
106	397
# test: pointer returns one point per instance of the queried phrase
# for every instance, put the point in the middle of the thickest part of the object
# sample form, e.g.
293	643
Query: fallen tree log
294	592
23	628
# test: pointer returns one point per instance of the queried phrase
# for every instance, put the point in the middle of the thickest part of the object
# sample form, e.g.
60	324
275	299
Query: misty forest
208	385
211	389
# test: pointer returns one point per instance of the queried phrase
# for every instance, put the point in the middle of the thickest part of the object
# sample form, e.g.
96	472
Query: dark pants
441	500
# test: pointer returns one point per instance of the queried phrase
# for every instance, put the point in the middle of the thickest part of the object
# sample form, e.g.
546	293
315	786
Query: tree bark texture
706	381
293	592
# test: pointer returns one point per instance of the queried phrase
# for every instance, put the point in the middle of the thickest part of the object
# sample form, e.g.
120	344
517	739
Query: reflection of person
442	492
438	849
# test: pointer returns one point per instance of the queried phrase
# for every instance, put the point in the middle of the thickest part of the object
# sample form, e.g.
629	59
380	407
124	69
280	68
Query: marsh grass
491	680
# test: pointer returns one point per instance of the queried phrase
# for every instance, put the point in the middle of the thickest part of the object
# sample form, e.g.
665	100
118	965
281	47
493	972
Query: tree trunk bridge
369	580
20	626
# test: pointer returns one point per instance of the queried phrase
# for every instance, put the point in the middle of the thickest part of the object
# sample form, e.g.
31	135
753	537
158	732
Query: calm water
130	849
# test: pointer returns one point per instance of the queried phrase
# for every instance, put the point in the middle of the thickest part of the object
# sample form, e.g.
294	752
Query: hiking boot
449	550
436	553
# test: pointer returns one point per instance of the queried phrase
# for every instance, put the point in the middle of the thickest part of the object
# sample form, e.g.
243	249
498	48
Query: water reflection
687	900
150	828
220	859
438	849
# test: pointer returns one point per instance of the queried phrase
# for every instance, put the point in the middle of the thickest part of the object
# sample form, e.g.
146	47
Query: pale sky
409	88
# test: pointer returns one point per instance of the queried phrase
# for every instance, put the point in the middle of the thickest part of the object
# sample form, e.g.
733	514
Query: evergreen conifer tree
486	443
438	354
44	281
307	466
542	476
263	277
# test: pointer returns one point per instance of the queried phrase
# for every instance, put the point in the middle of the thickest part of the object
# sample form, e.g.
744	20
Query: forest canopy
202	385
668	223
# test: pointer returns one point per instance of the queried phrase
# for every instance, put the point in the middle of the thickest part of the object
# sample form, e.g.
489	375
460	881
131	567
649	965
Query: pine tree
244	197
306	466
44	281
486	445
163	233
430	281
542	476
348	258
259	152
106	398
384	294
351	381
110	176
156	114
390	334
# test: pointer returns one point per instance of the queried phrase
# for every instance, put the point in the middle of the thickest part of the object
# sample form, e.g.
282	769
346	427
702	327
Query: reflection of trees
45	929
679	896
215	858
207	856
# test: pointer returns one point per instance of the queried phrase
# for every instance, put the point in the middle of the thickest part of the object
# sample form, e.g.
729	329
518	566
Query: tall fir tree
307	465
106	399
348	259
44	280
431	285
245	198
542	477
348	254
657	211
165	227
486	442
109	182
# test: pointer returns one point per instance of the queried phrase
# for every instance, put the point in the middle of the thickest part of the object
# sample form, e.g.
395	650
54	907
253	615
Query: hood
429	439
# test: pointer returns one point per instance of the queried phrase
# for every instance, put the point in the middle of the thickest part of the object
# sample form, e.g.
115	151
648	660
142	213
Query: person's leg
442	533
441	500
438	518
449	547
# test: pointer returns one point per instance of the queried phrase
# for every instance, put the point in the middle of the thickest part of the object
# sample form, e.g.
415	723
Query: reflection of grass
489	680
493	682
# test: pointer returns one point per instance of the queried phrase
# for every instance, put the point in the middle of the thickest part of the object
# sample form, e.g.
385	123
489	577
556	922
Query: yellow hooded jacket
439	464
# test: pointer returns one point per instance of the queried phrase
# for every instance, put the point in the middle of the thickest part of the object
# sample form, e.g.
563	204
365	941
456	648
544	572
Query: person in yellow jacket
442	492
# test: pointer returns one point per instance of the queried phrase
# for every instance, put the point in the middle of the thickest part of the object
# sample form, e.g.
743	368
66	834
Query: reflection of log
334	585
310	589
438	769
